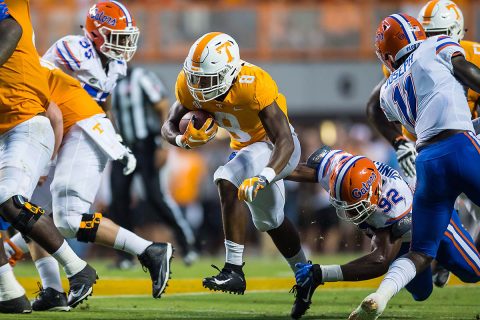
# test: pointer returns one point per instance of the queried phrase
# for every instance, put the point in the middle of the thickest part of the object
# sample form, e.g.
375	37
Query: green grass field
454	302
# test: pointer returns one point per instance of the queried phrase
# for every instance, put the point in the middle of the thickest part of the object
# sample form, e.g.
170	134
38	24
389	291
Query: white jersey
424	95
76	56
396	197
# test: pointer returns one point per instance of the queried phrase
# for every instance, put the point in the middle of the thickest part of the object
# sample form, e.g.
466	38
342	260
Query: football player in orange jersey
26	141
437	17
245	101
88	144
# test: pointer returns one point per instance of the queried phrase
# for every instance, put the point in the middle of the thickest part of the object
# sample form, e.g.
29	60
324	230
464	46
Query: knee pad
29	214
89	227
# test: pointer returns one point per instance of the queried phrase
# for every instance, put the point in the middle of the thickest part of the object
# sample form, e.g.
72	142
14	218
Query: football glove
406	154
193	138
249	188
13	252
128	159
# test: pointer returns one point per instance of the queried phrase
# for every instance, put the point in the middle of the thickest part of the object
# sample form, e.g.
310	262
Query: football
199	117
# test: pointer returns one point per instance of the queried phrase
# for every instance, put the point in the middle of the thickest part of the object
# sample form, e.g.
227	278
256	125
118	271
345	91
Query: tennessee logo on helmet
355	188
396	36
442	17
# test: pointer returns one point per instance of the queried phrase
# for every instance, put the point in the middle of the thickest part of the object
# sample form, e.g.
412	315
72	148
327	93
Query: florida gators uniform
253	91
86	147
456	250
26	136
427	99
76	56
469	212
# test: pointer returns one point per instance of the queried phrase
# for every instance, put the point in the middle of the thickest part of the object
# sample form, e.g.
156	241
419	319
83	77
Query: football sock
129	242
331	273
298	258
233	252
9	286
70	262
19	241
49	273
400	273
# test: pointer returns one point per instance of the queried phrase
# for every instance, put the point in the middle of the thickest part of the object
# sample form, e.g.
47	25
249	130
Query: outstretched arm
376	263
466	72
10	34
303	173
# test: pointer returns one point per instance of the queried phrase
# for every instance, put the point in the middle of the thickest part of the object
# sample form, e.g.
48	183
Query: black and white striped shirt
132	105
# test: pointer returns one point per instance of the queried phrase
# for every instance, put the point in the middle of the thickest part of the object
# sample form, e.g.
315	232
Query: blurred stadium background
321	55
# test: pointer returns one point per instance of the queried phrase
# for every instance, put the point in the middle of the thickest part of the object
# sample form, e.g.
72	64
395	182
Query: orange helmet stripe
429	10
197	55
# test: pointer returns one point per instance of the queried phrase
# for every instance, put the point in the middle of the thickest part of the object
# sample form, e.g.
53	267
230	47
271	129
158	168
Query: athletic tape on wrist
268	173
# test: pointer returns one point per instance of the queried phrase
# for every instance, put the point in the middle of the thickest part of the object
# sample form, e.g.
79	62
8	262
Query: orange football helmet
397	35
355	188
112	29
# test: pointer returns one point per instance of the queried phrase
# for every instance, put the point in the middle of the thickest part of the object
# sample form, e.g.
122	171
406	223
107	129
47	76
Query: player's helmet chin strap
364	209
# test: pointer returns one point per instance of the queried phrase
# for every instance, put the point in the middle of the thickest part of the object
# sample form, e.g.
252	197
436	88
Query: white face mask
119	44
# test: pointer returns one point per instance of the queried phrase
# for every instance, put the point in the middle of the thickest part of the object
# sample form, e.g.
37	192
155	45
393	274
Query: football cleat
228	280
17	305
440	276
157	259
81	286
370	309
308	277
49	299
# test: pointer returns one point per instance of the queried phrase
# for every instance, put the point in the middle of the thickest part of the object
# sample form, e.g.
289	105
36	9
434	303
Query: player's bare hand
249	188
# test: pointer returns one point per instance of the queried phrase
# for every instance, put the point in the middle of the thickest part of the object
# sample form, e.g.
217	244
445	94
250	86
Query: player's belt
439	137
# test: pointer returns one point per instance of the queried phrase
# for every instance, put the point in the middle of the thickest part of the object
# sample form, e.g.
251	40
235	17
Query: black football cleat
440	276
16	305
228	280
157	259
81	286
309	277
49	299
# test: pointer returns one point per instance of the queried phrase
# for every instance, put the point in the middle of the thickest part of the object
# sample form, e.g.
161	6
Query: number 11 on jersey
406	99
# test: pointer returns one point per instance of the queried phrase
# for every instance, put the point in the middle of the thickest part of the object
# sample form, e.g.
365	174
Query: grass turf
447	303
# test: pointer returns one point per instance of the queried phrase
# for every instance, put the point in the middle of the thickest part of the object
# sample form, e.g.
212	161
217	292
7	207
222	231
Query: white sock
298	258
331	273
9	286
49	273
19	241
129	242
234	252
400	273
70	262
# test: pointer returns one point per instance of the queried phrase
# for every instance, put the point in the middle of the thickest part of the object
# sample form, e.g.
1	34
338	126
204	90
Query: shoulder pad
317	156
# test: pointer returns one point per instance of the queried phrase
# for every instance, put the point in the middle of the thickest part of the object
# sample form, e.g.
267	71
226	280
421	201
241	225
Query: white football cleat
371	308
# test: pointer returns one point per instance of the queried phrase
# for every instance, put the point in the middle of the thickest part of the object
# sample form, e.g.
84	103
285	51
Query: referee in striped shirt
138	102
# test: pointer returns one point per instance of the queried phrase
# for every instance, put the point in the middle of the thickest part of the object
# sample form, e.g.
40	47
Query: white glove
129	161
406	154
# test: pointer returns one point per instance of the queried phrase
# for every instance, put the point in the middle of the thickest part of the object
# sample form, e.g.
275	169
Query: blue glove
3	11
303	275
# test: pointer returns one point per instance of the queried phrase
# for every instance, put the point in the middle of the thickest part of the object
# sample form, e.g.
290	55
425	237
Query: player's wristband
178	141
331	273
268	173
